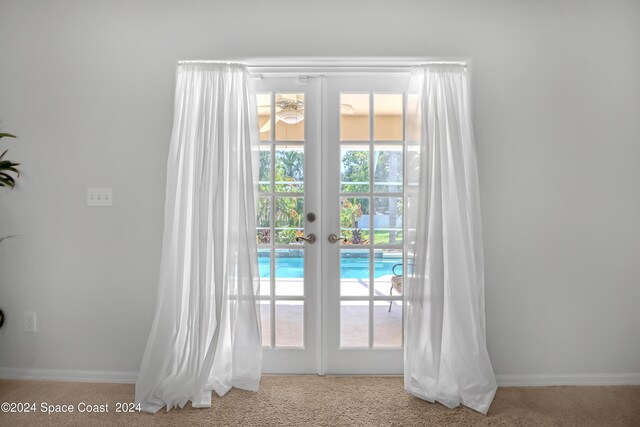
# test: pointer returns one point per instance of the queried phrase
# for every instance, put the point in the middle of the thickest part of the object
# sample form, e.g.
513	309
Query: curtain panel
446	358
206	330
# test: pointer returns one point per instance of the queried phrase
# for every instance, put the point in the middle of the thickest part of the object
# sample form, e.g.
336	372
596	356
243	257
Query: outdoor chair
396	283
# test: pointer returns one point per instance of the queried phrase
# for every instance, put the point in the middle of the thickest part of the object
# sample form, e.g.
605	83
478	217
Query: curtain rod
332	63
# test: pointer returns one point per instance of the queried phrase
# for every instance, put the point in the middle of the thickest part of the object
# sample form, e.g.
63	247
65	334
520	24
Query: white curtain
206	331
446	357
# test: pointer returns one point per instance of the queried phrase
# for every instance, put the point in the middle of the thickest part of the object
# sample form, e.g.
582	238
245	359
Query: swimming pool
350	267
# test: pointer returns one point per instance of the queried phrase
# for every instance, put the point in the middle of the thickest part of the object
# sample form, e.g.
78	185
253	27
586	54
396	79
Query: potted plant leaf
7	167
8	175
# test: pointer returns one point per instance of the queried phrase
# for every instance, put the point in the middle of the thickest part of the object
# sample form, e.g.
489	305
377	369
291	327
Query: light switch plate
30	322
99	197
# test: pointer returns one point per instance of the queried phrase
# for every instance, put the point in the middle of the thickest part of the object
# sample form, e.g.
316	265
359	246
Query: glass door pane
280	217
288	116
371	218
364	188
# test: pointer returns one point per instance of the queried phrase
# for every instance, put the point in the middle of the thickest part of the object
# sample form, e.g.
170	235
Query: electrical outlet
99	197
30	322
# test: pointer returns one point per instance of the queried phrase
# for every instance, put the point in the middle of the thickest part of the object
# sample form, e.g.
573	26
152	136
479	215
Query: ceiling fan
290	110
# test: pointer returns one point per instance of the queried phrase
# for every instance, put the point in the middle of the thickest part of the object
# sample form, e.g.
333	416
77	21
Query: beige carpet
333	401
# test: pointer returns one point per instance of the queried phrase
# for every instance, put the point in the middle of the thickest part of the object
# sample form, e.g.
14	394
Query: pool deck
354	329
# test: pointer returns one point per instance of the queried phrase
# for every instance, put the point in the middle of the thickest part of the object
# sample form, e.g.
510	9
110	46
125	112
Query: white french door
363	148
331	172
289	196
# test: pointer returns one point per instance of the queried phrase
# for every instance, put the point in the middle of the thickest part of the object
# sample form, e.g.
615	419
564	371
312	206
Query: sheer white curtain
206	331
446	357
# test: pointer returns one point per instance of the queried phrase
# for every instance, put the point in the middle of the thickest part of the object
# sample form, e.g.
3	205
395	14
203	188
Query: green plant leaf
6	180
13	236
7	166
10	169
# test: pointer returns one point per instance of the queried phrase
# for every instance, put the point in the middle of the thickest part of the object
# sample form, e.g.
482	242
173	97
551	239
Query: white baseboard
539	380
127	377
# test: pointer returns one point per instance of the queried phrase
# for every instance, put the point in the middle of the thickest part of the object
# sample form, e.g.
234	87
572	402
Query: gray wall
88	87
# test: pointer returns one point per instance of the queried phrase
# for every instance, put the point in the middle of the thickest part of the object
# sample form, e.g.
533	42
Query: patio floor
354	316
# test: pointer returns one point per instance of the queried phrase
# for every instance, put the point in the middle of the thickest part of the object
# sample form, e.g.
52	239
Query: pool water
350	267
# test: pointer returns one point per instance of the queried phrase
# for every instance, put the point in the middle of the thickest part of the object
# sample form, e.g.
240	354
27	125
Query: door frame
313	70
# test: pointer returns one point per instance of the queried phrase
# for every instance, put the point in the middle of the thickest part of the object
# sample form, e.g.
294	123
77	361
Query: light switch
99	197
30	322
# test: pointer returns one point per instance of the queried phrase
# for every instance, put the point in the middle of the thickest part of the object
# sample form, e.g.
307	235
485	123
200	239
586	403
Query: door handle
334	239
311	238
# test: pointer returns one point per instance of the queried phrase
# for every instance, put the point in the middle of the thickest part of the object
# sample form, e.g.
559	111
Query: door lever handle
334	239
311	238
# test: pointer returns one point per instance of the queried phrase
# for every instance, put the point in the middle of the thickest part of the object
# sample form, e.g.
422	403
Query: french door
289	197
330	230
